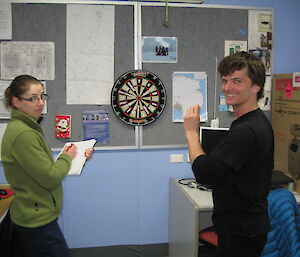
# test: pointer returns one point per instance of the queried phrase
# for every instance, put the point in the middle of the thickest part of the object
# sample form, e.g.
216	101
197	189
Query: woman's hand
89	153
70	150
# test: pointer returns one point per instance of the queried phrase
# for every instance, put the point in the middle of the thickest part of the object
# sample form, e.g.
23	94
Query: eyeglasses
35	99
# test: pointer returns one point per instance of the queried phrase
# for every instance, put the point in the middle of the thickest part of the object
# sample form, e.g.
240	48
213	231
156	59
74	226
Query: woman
32	172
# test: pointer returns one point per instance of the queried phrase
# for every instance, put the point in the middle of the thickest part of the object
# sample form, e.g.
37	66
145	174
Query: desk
184	218
4	203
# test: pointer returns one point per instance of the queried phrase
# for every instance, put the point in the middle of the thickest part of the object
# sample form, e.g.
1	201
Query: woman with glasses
32	172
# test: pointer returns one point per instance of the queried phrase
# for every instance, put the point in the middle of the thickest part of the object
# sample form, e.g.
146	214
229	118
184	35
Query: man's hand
191	127
192	120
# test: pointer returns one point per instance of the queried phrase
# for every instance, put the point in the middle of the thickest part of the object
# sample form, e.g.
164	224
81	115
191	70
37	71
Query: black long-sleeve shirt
239	170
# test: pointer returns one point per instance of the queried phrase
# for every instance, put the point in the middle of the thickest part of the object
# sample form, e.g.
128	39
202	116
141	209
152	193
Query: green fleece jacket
32	172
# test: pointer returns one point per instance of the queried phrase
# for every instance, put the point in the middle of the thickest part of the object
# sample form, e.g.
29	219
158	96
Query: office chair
284	237
209	237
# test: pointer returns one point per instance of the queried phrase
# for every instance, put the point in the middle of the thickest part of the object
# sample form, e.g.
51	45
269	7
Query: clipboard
80	159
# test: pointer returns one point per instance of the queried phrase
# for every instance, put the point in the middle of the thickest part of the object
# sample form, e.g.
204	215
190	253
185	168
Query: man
239	168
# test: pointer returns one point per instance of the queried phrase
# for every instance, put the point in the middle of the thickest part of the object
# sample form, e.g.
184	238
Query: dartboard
138	97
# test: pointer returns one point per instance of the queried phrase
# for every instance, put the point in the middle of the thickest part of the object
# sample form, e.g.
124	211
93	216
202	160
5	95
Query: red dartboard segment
138	97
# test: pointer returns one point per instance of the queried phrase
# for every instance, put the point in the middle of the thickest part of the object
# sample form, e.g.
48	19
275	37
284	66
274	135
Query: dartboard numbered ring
138	97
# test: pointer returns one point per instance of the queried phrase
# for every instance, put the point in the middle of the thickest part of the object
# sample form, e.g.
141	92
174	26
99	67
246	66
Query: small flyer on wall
96	125
232	46
223	106
296	79
63	126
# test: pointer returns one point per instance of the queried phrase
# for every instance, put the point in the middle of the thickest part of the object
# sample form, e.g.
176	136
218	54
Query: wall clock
138	97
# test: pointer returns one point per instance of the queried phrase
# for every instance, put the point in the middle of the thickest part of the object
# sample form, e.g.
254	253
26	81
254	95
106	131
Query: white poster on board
2	130
5	22
259	23
24	57
90	53
4	112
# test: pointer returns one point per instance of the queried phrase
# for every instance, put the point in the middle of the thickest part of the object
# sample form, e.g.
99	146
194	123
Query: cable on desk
186	181
192	183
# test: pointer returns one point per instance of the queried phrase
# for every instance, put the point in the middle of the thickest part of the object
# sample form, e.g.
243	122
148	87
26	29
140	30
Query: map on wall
89	53
189	88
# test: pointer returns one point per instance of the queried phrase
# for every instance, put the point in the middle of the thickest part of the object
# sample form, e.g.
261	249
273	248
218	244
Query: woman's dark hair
240	60
18	87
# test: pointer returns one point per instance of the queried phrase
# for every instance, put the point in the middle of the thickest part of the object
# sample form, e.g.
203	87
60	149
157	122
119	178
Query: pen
69	147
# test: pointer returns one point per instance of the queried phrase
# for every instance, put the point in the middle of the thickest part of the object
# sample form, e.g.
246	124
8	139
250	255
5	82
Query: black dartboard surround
138	97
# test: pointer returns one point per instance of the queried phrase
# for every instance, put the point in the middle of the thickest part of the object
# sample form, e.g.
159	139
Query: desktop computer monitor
210	137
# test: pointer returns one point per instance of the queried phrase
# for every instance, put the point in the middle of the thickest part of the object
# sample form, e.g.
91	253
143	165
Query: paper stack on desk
79	160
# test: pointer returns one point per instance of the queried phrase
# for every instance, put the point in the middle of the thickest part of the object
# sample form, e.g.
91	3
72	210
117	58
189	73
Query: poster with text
96	125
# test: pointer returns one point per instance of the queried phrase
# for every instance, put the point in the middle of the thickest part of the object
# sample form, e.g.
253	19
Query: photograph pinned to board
232	47
5	112
159	49
265	40
265	102
223	106
96	125
194	92
63	126
265	56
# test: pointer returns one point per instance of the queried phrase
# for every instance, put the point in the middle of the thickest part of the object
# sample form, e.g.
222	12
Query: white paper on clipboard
80	159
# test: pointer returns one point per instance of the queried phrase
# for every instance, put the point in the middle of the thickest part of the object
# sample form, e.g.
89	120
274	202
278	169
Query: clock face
138	97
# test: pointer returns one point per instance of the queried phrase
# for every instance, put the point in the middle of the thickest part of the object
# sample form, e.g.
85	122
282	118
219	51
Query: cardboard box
286	125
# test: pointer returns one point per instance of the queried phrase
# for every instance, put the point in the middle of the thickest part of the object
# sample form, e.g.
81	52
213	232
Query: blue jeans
44	241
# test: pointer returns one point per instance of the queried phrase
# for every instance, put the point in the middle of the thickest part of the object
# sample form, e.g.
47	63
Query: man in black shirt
240	167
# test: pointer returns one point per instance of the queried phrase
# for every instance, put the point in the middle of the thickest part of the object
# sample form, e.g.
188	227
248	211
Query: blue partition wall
121	197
